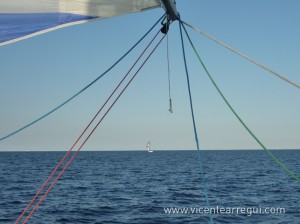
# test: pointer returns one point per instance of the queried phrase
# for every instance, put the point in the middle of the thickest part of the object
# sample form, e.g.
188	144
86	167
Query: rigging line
65	156
169	72
85	88
194	124
75	154
244	56
290	173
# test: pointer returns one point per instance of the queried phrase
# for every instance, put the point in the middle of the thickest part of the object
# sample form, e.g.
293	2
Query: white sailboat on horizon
148	146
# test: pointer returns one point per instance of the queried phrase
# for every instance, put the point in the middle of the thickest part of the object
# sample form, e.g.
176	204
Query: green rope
238	117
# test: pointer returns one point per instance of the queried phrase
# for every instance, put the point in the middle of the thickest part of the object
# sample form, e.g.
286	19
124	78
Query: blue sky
39	73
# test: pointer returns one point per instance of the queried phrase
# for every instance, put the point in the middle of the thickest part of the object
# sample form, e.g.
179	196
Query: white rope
243	55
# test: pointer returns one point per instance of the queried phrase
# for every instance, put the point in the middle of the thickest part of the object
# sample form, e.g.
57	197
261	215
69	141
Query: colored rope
82	90
194	124
68	152
75	154
239	118
244	56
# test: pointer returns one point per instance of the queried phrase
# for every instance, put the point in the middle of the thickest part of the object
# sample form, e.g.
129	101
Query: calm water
135	187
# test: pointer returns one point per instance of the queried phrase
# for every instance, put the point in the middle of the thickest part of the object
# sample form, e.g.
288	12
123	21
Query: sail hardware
165	24
170	106
170	8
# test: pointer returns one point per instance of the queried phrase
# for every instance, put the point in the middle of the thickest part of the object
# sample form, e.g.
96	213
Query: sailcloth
20	19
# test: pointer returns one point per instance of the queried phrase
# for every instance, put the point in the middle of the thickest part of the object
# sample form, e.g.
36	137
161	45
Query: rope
82	90
65	156
194	124
75	154
238	117
169	73
244	56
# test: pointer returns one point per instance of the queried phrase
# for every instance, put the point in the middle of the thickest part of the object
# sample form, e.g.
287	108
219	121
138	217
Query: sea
235	186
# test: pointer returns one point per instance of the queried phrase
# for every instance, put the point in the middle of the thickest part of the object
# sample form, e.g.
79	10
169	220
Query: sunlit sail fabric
20	19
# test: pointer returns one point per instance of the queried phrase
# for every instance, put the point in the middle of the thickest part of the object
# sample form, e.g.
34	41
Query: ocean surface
140	187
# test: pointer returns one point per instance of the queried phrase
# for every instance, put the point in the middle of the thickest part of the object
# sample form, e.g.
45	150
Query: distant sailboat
148	146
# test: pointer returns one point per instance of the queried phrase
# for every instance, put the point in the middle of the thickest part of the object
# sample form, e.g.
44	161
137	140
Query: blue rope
194	124
82	90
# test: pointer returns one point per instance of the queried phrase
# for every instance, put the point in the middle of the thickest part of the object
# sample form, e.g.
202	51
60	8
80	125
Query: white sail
148	146
20	19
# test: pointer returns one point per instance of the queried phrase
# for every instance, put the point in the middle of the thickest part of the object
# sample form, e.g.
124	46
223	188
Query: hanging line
238	117
165	29
82	90
63	159
169	71
244	56
68	152
194	126
75	154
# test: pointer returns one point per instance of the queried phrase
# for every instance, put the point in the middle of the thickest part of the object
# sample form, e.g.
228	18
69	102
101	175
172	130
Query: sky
39	73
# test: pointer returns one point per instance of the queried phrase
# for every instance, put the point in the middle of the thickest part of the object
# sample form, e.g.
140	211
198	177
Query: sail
20	19
148	146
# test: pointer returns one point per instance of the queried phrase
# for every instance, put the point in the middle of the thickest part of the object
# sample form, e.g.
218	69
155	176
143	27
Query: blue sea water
137	187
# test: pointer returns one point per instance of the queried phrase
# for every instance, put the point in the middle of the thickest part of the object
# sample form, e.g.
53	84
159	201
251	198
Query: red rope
68	152
72	158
